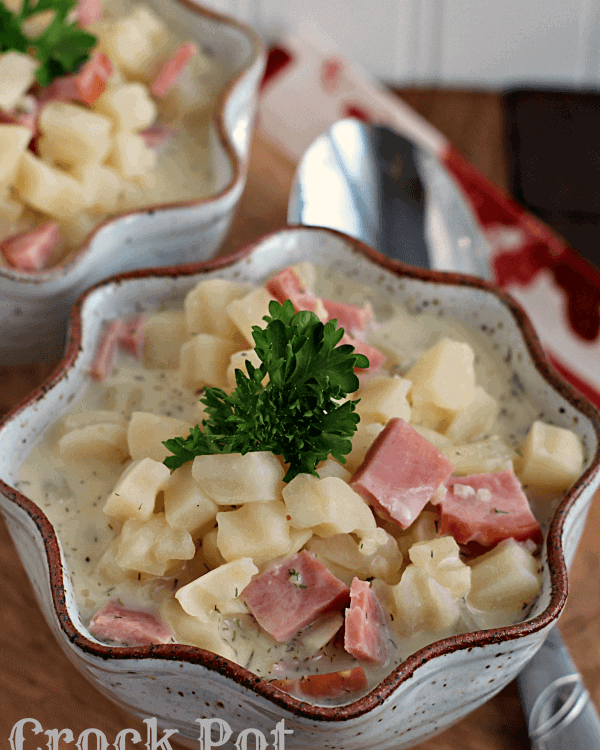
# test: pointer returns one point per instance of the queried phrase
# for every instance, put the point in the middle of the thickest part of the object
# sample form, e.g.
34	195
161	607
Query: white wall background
487	43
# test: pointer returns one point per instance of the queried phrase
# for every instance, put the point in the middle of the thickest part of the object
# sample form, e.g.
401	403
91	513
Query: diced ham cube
328	685
27	119
292	594
365	633
350	317
375	357
169	73
31	250
400	473
157	137
85	86
287	284
88	11
113	622
107	349
131	336
493	509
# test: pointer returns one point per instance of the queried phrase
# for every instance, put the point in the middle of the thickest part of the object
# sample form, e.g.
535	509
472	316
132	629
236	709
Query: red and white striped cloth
308	86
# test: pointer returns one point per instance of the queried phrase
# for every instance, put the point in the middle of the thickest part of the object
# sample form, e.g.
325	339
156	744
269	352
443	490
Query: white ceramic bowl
34	306
178	684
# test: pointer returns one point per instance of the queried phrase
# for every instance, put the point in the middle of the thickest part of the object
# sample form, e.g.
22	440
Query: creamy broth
72	495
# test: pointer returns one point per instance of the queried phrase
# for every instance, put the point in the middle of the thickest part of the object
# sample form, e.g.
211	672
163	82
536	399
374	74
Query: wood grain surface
37	680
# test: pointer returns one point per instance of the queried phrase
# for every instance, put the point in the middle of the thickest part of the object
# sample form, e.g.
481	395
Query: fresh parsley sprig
296	414
61	48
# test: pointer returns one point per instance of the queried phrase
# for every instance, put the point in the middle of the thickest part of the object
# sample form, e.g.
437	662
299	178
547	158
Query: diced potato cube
108	567
134	495
444	376
307	273
149	24
130	157
318	635
476	419
76	228
258	531
505	578
249	311
14	139
423	604
383	398
424	529
218	589
205	308
152	546
329	506
100	186
128	106
73	134
82	418
210	550
440	558
130	46
164	335
204	361
298	538
440	441
364	437
194	632
104	441
552	458
233	479
331	468
238	362
147	432
480	458
385	562
10	210
17	73
47	189
186	506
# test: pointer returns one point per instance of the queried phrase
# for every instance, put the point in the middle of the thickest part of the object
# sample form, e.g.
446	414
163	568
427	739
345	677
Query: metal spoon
372	183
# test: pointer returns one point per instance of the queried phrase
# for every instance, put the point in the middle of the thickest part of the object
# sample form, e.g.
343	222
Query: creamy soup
401	561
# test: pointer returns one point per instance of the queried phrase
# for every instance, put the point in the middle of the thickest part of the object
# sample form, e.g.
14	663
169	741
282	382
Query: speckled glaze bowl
34	307
178	684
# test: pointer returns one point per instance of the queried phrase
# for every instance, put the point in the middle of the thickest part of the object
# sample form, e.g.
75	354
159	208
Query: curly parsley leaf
295	414
61	48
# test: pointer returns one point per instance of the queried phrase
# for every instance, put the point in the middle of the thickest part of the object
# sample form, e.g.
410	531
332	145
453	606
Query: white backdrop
487	43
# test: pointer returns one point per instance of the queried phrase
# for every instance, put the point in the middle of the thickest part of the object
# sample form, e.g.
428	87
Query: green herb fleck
296	414
62	48
503	512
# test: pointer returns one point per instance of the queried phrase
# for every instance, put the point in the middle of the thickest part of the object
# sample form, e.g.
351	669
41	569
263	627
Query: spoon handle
559	712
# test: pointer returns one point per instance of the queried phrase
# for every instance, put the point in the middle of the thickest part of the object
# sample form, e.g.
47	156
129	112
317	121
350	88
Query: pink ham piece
286	284
375	357
290	595
31	250
27	119
130	627
400	473
171	70
494	509
350	317
365	633
328	685
131	336
106	352
88	11
85	86
157	137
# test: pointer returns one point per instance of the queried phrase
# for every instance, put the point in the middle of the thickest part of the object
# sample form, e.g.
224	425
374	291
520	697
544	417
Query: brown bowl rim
217	119
194	655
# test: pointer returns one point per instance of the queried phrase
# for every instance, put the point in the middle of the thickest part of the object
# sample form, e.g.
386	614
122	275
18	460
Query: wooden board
36	678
